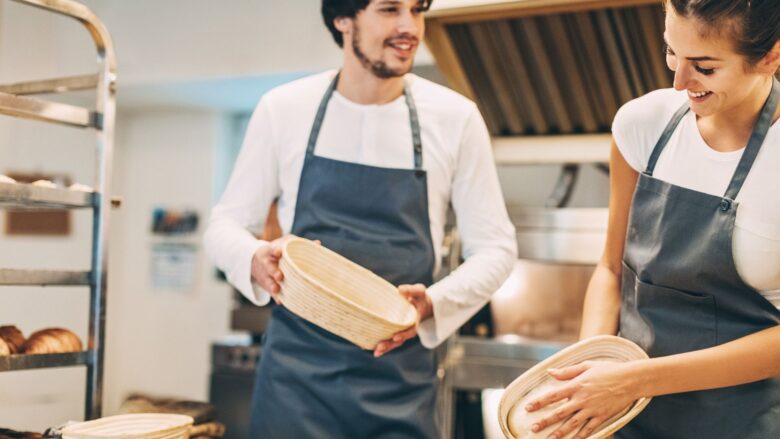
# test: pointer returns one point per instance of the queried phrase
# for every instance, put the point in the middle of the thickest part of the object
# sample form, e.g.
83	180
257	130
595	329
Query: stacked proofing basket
340	296
135	426
536	382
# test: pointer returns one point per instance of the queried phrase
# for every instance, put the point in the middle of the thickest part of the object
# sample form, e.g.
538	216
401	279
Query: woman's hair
331	9
754	24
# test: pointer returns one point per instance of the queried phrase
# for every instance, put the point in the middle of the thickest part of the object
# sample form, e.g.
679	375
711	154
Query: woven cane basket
340	296
134	426
532	383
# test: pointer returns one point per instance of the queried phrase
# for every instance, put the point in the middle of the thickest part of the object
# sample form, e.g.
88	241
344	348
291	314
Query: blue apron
314	384
681	292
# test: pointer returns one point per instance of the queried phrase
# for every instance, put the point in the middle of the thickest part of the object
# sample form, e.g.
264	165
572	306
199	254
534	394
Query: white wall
176	40
159	340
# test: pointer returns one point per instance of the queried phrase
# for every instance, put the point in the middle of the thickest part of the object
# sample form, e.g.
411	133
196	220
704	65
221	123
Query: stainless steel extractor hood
549	67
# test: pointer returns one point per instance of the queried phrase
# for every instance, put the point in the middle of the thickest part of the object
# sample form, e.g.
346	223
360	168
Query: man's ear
343	24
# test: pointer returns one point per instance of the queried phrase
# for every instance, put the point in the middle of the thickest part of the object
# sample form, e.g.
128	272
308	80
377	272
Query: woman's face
706	64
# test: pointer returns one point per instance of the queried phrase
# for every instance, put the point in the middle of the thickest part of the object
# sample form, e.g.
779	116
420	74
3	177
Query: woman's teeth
698	94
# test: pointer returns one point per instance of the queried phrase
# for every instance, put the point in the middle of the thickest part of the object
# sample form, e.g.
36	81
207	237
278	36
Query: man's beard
379	68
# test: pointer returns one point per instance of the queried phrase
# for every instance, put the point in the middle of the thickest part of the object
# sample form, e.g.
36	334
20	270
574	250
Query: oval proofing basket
603	347
135	426
340	296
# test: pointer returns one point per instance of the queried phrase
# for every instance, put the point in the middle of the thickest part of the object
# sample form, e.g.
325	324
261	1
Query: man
366	161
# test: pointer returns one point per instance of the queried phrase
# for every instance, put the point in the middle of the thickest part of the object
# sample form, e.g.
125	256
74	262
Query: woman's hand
596	391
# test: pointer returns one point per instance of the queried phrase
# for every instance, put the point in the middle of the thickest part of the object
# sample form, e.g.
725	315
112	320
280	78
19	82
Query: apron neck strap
664	139
414	122
315	128
751	150
756	140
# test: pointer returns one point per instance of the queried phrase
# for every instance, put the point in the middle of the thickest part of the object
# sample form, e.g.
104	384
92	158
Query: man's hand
265	267
418	297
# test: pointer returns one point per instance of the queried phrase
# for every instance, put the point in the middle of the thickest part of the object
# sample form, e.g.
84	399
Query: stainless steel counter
474	363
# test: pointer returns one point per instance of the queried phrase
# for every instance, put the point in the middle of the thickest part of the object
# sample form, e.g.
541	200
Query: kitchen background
189	75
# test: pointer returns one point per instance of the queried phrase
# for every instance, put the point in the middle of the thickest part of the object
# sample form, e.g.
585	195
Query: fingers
277	246
549	398
576	419
411	291
276	252
589	428
404	335
568	373
395	341
271	276
266	272
561	413
386	346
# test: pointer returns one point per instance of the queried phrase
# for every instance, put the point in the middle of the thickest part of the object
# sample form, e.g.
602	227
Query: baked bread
52	341
4	349
45	183
12	337
11	434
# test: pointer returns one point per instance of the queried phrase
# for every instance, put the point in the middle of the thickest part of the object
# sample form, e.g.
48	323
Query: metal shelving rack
16	101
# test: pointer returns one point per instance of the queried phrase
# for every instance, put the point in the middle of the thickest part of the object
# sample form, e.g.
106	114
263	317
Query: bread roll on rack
12	337
52	341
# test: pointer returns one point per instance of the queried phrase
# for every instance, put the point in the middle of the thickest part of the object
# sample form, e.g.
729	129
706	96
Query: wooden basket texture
340	296
603	347
133	426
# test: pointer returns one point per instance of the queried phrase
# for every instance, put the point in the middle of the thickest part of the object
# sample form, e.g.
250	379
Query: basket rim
639	404
181	422
338	297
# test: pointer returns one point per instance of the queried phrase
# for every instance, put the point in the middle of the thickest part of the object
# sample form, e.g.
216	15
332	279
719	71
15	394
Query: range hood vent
544	71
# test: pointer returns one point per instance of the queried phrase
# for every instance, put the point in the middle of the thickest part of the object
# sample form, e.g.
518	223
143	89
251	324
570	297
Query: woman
691	268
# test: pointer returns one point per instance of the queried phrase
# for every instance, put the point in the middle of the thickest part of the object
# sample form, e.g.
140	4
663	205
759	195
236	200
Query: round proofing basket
603	347
340	296
135	426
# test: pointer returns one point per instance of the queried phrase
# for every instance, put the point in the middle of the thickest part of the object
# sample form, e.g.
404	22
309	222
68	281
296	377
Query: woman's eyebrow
694	58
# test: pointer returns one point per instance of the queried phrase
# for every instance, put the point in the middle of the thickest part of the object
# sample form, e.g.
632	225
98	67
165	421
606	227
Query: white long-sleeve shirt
457	157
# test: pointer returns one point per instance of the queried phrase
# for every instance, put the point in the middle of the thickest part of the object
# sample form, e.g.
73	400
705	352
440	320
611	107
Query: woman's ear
770	63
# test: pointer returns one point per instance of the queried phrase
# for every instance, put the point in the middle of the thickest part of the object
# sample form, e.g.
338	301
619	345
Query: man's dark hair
331	9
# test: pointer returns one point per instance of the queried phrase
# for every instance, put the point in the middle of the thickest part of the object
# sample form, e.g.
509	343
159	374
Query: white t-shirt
689	162
457	156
